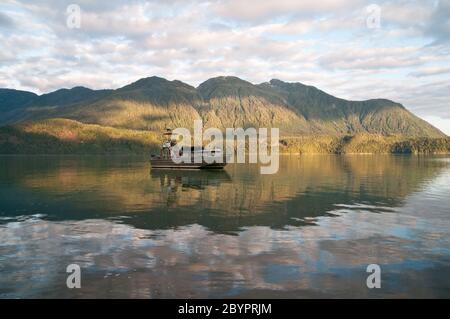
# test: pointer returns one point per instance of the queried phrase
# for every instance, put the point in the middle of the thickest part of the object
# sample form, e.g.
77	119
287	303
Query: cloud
438	25
442	123
408	13
258	11
373	58
431	71
428	17
6	21
323	43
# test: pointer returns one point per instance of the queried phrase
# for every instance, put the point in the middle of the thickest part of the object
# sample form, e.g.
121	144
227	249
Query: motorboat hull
158	163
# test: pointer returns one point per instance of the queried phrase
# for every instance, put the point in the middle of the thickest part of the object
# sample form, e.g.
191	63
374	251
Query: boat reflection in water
173	181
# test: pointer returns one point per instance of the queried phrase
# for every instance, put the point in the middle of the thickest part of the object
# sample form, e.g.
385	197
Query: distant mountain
148	104
155	103
158	91
18	106
10	99
12	102
232	102
331	115
75	95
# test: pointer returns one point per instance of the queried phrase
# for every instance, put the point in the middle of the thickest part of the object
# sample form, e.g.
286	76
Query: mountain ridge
153	103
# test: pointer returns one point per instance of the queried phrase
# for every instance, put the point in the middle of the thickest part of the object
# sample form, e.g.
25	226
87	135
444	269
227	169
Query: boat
165	159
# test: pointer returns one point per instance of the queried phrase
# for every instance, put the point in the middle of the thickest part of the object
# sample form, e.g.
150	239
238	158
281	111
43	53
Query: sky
353	49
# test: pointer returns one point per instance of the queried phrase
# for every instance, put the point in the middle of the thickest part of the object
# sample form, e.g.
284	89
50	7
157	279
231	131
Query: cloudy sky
354	49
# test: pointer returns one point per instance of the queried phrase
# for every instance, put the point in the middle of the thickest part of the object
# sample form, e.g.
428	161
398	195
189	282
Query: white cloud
255	10
372	58
429	71
442	123
322	43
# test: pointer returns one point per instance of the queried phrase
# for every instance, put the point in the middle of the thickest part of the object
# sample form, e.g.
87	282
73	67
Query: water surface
308	231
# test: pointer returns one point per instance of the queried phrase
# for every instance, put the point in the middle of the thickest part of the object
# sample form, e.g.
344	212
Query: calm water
308	231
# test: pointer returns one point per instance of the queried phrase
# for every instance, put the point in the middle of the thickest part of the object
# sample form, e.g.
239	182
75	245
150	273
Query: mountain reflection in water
308	231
